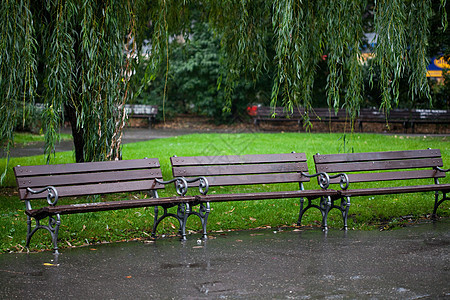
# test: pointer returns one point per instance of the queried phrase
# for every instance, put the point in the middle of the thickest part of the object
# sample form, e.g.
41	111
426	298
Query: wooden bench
430	116
265	113
408	118
148	112
251	170
53	182
377	167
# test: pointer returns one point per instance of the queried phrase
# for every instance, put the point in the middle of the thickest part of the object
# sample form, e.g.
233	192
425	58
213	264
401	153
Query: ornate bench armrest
203	186
52	194
442	170
344	182
180	184
322	177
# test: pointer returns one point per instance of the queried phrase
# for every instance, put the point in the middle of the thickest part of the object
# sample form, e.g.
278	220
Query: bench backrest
280	112
432	114
90	178
391	165
141	109
243	169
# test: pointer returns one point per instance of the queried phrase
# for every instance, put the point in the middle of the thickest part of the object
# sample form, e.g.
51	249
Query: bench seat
308	194
105	206
396	190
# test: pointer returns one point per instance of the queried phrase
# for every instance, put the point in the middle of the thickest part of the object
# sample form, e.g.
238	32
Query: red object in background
252	110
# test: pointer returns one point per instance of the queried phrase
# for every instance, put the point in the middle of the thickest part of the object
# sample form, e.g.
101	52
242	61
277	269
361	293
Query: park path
408	263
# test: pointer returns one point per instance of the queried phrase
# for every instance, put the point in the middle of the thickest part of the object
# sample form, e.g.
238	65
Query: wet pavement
131	135
409	263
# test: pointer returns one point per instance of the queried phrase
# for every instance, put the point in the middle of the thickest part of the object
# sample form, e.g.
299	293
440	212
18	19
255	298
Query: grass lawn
365	212
21	138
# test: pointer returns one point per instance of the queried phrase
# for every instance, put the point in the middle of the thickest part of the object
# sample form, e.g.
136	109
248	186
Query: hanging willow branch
418	23
17	68
391	48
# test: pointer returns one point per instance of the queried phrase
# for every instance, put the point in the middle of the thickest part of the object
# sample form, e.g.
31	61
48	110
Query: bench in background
408	118
148	112
279	114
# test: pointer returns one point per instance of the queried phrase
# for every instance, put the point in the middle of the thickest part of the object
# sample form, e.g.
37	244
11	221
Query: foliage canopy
77	56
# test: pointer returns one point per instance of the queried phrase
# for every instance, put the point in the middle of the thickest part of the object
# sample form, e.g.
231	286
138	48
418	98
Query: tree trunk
77	133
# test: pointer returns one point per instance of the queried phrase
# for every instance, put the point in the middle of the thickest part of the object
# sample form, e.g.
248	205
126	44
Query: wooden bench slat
239	169
237	159
387	176
21	171
104	206
371	156
96	189
86	178
379	165
266	195
396	190
253	179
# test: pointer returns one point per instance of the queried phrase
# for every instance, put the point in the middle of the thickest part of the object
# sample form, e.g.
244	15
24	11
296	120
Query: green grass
22	138
365	212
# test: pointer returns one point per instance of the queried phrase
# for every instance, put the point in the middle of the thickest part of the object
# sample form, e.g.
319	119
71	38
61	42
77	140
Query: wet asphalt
131	135
408	263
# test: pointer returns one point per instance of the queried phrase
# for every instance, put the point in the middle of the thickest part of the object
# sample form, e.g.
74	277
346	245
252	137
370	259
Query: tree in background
193	76
302	32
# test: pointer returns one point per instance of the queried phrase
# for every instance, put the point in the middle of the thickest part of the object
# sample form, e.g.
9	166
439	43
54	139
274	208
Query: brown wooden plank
253	179
280	112
387	176
238	159
371	156
379	165
239	169
86	178
266	195
104	206
395	190
21	171
94	189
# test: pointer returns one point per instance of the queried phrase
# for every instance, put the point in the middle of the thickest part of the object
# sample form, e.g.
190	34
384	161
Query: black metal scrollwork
203	186
442	170
52	194
181	185
322	177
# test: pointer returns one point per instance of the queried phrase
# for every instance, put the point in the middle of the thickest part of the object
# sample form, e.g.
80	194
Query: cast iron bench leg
180	216
344	208
184	210
53	227
203	214
325	206
438	202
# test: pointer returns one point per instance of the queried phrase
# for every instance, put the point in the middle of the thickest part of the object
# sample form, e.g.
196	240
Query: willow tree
79	50
71	56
